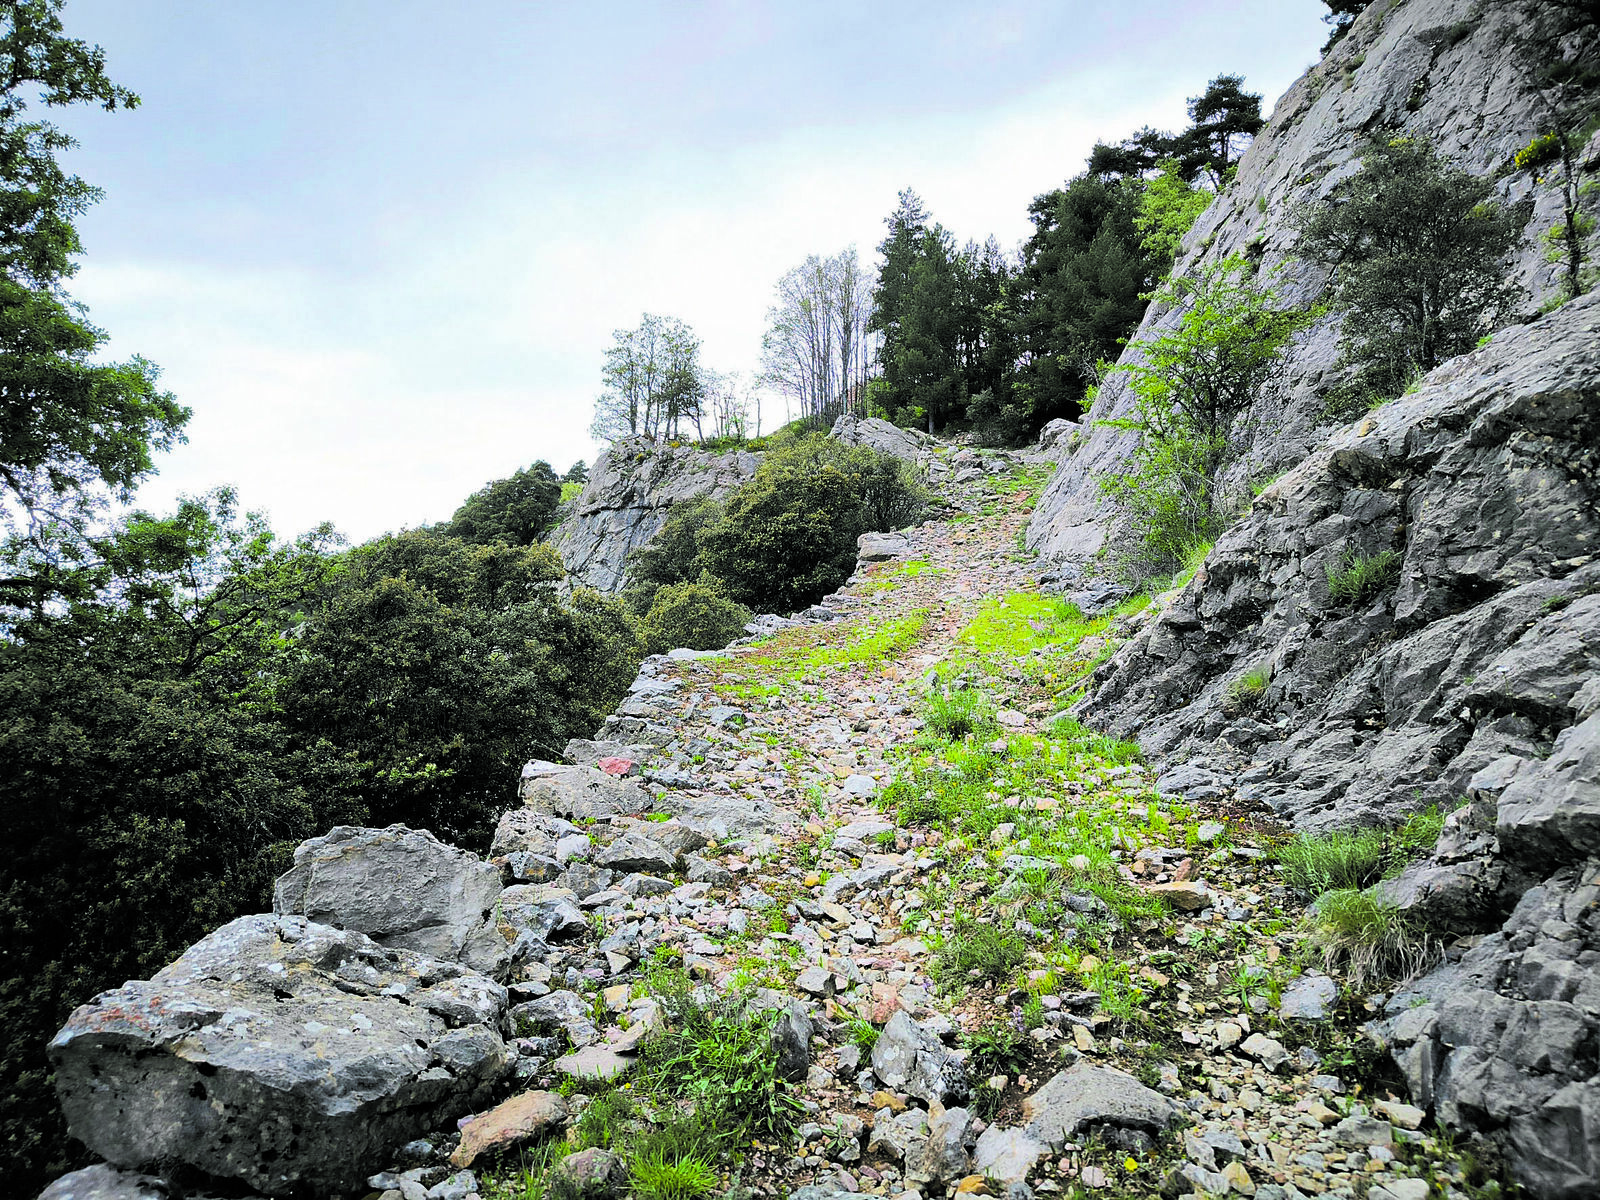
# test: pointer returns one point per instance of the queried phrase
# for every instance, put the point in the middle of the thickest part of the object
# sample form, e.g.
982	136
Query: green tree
1199	388
440	667
1078	294
1416	248
1341	15
71	429
148	785
516	511
1168	209
652	381
1223	120
694	615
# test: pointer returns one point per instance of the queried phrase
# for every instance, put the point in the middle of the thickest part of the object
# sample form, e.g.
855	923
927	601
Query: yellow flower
1130	1163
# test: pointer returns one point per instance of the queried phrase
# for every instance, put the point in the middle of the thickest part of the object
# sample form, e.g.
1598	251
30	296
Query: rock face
401	887
1448	70
631	491
884	437
1505	1038
1484	487
287	1055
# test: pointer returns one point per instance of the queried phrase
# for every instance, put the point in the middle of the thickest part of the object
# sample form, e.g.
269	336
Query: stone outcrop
1484	487
403	888
284	1054
885	437
631	491
1448	70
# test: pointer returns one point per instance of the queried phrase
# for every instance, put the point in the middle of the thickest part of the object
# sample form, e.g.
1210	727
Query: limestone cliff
1447	70
631	491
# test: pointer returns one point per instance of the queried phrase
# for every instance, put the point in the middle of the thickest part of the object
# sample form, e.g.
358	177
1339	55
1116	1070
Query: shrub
1168	208
1416	247
1247	690
672	556
1544	148
955	713
788	537
1367	935
691	615
515	510
1361	577
998	1048
1196	389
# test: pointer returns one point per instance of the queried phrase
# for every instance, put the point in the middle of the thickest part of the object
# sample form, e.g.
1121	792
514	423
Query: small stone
594	1063
509	1124
1406	1116
1210	831
815	980
1269	1052
1082	1038
1093	1176
1228	1035
1185	897
1239	1179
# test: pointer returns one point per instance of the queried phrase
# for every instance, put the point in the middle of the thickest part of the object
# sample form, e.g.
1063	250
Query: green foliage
440	667
788	537
717	1053
74	429
691	615
1367	935
1544	148
1079	293
1314	863
1168	209
516	511
998	1048
1359	577
955	713
1223	119
1197	387
977	952
1416	247
863	1034
652	382
1246	691
603	1123
659	1176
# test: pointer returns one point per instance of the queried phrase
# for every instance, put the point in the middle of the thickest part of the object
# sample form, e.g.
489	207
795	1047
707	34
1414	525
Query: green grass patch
1366	936
1023	622
1314	863
796	654
660	1175
1359	577
977	952
957	713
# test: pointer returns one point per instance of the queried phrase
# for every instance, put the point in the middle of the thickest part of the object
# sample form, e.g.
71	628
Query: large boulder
1480	485
401	887
883	436
632	490
579	793
290	1056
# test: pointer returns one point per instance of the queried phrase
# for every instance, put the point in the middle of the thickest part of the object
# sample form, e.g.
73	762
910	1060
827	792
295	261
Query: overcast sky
379	246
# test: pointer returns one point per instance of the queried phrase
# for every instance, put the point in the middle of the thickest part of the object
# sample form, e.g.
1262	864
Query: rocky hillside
630	493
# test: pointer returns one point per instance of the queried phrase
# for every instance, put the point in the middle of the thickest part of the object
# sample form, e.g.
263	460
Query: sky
380	246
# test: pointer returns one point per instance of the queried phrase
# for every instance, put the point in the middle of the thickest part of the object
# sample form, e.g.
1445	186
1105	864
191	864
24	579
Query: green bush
515	510
955	713
1197	387
1359	577
1369	937
691	615
787	537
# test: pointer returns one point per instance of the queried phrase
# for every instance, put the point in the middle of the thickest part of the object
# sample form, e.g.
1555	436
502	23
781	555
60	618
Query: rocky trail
987	950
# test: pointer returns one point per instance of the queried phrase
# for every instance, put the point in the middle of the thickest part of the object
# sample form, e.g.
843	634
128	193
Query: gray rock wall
1448	70
631	491
1485	486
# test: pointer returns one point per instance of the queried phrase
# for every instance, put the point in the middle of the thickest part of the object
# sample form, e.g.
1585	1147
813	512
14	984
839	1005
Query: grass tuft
658	1175
1361	577
1341	858
957	713
1369	937
978	951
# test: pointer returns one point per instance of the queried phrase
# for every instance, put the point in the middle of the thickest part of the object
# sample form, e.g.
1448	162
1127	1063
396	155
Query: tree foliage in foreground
516	511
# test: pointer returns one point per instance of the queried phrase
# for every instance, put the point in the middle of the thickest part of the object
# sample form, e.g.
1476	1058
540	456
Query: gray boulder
883	436
525	919
635	852
1085	1097
105	1182
942	1156
880	547
791	1042
910	1058
287	1055
579	793
401	887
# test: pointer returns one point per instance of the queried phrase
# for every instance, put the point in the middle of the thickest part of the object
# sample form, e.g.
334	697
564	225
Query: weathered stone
401	887
941	1157
883	436
509	1123
894	1136
105	1182
880	547
1269	1052
791	1043
597	1064
288	1055
579	793
1185	897
632	489
1084	1097
1007	1154
1308	997
911	1059
635	852
593	1174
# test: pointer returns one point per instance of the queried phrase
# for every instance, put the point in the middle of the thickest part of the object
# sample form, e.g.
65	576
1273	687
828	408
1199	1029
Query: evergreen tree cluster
973	337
